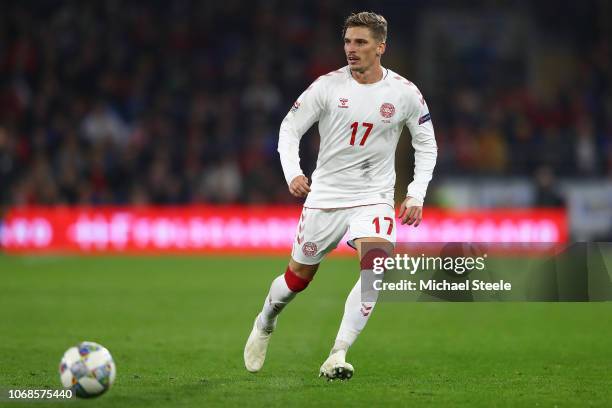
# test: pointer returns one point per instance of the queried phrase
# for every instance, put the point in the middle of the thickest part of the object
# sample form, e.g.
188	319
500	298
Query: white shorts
320	230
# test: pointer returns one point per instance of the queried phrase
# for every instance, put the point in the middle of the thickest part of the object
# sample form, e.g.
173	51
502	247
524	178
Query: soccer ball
87	369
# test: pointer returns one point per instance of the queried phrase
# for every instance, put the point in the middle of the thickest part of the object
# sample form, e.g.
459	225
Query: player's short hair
375	22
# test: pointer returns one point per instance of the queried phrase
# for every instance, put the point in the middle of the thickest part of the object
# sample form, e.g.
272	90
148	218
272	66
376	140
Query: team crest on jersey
343	103
387	110
296	106
309	248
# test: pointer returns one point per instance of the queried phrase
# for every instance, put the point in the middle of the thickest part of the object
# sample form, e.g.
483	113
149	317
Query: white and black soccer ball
87	369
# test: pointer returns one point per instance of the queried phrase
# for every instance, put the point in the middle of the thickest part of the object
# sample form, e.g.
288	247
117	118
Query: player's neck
369	76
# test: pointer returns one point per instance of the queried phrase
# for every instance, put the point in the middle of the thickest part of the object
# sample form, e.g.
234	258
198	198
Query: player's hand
411	211
299	186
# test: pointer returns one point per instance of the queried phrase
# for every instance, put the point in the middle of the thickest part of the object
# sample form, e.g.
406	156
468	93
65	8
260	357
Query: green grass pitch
176	327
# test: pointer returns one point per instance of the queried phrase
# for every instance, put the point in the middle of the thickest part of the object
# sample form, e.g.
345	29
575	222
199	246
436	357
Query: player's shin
282	291
359	305
357	312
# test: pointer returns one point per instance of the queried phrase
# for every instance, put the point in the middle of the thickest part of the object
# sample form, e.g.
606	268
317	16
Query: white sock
356	315
278	297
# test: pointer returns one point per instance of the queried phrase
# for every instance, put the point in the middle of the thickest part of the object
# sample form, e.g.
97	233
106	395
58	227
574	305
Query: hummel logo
365	309
343	103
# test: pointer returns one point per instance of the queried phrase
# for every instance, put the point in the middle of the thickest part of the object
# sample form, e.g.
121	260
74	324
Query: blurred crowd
180	101
516	131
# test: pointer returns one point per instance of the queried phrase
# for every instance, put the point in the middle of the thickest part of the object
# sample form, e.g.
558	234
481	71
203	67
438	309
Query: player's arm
425	153
304	113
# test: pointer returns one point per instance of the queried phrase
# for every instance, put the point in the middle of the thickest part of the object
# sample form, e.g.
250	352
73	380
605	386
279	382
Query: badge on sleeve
424	118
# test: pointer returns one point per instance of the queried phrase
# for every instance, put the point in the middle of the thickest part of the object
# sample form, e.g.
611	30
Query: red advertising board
242	229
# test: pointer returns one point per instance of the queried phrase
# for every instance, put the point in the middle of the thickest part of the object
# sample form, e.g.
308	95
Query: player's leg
373	229
361	301
358	308
282	291
284	288
319	232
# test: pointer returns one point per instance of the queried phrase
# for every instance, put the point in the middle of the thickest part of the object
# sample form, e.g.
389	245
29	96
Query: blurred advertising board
263	230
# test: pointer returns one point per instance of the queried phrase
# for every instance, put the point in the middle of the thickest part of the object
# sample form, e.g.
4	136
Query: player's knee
369	259
298	277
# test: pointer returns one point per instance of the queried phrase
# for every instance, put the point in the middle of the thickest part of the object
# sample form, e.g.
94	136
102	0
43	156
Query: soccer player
361	109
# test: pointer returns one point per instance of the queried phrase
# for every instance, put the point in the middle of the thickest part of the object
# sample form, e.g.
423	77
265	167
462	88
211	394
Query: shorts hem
351	242
309	262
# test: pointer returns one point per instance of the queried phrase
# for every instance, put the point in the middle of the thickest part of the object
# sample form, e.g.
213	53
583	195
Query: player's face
361	49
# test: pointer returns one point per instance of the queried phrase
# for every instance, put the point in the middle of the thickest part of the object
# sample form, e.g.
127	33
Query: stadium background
113	103
161	109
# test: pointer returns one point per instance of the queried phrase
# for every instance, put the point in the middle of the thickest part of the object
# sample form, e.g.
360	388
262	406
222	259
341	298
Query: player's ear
380	50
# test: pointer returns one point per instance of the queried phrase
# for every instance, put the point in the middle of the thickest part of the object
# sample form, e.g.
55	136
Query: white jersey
359	126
